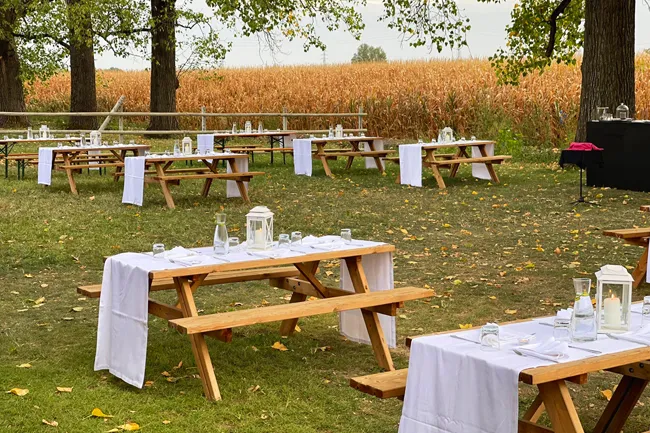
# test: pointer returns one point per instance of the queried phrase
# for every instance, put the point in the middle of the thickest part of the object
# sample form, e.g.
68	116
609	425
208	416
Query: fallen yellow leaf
166	421
465	326
97	413
297	329
510	311
39	300
607	393
24	365
50	423
18	391
129	426
77	309
63	389
29	276
180	364
279	346
492	298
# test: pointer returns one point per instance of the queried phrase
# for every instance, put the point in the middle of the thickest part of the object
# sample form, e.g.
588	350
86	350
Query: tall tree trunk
83	92
12	96
163	64
608	59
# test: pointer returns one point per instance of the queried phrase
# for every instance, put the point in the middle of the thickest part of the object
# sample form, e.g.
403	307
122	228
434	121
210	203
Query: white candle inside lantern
612	307
259	237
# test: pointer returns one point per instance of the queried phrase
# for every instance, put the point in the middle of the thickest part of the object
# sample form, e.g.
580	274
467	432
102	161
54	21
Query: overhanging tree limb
553	23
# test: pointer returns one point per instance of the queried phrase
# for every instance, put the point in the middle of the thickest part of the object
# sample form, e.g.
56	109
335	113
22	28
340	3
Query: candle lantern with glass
613	299
259	228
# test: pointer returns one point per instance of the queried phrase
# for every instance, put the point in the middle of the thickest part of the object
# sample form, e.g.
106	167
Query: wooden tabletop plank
38	140
95	148
170	158
325	140
263	262
628	233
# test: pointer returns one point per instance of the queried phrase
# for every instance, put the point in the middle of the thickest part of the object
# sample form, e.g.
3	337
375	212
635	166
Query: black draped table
626	154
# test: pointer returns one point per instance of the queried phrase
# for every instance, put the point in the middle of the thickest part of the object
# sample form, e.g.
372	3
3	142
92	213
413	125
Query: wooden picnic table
165	174
278	137
639	237
76	159
323	154
8	144
452	161
553	397
303	284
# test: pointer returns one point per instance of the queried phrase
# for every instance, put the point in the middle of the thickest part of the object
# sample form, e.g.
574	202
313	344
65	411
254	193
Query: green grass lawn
484	249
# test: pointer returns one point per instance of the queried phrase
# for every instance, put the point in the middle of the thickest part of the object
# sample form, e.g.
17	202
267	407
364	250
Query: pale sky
486	36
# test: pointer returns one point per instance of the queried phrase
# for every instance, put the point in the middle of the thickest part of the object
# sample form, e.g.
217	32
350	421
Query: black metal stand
581	198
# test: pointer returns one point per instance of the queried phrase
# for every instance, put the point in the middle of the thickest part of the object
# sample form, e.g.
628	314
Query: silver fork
530	355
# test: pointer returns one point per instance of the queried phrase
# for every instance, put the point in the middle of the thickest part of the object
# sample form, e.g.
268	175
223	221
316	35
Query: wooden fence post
203	119
284	119
114	110
360	117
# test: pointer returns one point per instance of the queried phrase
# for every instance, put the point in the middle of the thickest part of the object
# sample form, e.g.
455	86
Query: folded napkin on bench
45	166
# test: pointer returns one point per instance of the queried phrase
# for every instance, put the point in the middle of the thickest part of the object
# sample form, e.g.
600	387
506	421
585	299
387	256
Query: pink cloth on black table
583	146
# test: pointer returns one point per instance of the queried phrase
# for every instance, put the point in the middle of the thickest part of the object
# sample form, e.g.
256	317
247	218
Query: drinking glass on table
562	329
296	238
158	250
645	311
233	243
490	337
284	241
346	236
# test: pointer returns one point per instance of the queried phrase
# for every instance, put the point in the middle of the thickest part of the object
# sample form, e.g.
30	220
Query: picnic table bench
7	145
452	161
324	155
639	237
553	397
300	278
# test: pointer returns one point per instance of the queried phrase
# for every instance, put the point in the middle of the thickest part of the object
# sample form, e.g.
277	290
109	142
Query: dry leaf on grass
510	312
166	422
465	326
77	309
180	364
254	388
24	365
97	413
50	423
279	346
18	391
129	426
39	301
297	329
148	383
63	389
607	393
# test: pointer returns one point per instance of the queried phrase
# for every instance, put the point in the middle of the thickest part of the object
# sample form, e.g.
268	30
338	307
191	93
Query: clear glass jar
490	337
645	311
583	319
622	112
220	244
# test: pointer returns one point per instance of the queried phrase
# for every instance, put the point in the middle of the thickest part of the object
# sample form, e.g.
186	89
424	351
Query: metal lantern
259	228
622	112
95	138
446	135
187	146
613	299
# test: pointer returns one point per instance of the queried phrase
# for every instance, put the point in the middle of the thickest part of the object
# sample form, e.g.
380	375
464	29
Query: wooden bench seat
87	165
388	384
497	159
173	170
359	153
275	313
244	176
94	291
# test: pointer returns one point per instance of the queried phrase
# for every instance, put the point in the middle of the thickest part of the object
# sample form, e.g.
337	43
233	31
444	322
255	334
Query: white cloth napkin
370	161
123	315
379	272
410	164
641	335
479	170
551	350
205	143
302	164
133	192
231	185
45	165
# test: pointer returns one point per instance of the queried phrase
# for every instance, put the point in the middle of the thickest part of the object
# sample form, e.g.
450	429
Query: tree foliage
367	53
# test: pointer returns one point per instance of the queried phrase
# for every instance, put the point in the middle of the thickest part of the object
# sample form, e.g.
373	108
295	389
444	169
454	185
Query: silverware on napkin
532	354
464	339
597	352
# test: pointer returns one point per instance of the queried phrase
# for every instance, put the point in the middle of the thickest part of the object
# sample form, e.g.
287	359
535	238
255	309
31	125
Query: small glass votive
233	243
158	250
131	142
59	144
284	241
346	236
20	137
645	311
562	329
296	238
490	337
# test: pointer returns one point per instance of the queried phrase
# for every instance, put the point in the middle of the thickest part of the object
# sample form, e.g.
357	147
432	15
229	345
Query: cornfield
402	99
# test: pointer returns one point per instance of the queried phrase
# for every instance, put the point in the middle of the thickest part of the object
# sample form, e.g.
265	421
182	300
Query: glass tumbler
645	311
346	236
233	243
284	241
158	250
490	337
562	329
296	238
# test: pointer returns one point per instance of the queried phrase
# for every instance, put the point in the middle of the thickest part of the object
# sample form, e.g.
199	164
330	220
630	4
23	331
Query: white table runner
45	165
302	164
205	143
370	161
123	307
133	192
231	186
479	170
455	387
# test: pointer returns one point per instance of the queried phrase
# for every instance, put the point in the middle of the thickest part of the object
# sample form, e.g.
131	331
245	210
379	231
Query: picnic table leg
199	346
160	171
67	161
5	151
620	406
488	165
459	154
289	326
376	334
378	163
323	158
208	182
560	407
641	269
